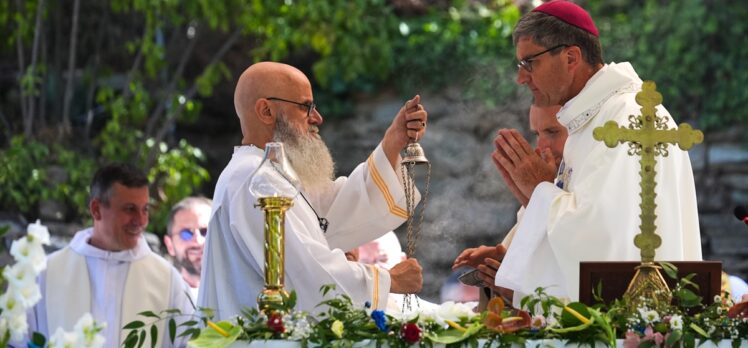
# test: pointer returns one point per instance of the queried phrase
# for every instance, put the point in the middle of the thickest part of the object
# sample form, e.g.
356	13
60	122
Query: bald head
549	133
264	80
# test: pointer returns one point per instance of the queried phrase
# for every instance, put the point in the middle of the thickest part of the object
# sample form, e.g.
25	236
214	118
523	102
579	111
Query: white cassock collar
80	245
612	79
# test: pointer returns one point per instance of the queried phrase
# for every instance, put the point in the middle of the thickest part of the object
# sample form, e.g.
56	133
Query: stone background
468	204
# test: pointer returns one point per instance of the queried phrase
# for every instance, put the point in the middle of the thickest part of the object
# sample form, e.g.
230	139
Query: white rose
650	316
86	331
39	232
24	251
18	327
27	296
453	312
676	322
62	339
9	305
20	275
84	323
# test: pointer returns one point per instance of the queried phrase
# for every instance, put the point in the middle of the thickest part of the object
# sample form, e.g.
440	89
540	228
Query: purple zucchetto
570	13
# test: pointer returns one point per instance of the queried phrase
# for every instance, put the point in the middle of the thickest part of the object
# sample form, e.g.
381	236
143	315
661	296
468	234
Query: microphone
741	214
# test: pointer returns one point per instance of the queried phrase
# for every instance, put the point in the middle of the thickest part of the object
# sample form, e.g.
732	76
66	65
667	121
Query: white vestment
592	213
360	208
112	286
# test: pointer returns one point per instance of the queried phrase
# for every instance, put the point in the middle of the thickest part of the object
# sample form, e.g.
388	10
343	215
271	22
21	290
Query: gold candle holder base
273	297
648	289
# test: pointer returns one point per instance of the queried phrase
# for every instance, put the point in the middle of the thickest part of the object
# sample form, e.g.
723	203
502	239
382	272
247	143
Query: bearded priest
274	102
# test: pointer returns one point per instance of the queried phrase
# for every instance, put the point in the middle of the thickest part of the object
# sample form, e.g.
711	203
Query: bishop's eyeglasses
309	106
187	234
526	63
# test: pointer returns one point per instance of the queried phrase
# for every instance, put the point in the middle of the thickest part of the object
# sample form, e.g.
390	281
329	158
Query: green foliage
468	46
21	177
24	176
693	49
139	330
175	175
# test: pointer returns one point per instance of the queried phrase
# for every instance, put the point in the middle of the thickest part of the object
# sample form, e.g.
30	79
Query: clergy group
579	199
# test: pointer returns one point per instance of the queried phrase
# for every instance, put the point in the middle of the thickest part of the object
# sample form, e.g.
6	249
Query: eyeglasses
526	63
187	234
309	106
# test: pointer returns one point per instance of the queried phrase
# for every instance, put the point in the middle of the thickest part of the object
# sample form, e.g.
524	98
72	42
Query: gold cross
648	136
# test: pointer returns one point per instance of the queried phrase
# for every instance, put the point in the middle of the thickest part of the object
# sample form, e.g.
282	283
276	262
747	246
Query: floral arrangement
23	293
540	317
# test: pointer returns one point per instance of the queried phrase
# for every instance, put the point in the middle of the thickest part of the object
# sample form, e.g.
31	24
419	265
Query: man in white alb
108	270
591	213
550	136
274	102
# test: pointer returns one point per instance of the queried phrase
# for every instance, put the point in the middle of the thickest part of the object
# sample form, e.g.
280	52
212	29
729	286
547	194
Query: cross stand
648	136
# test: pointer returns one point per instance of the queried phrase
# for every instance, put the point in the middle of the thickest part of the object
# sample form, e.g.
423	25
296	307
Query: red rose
410	333
275	322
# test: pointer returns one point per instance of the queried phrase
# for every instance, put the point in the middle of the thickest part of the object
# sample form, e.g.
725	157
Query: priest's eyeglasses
187	234
526	63
309	106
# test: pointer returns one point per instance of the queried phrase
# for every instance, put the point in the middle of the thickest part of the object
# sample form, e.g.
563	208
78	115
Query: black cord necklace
323	223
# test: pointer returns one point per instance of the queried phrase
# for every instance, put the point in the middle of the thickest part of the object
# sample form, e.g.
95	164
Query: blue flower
367	304
380	319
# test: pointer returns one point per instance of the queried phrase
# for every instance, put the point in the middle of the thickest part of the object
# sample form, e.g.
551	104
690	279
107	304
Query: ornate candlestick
275	215
274	183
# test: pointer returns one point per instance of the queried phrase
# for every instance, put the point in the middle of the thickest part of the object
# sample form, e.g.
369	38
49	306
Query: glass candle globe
274	177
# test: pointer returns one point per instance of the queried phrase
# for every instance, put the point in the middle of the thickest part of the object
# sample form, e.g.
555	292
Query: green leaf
172	329
149	314
38	339
137	324
698	330
453	335
567	319
210	338
674	337
141	338
670	269
154	335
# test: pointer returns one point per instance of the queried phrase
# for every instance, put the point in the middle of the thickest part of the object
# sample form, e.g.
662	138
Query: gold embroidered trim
393	208
375	298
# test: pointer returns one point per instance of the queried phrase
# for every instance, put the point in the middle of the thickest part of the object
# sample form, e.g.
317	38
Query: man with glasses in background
187	227
275	103
589	209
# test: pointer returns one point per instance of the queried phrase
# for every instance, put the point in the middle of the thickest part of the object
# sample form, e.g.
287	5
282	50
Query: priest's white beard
308	155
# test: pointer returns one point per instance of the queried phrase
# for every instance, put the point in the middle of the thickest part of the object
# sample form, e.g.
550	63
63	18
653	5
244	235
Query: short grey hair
124	174
186	203
548	31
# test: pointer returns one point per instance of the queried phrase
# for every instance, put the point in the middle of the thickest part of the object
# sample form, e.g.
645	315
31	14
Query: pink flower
631	340
650	335
648	332
658	338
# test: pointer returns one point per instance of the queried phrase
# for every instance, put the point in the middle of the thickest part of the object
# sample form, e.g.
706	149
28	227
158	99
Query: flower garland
541	317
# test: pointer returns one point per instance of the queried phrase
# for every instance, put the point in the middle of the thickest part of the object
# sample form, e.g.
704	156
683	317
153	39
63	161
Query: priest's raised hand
408	125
